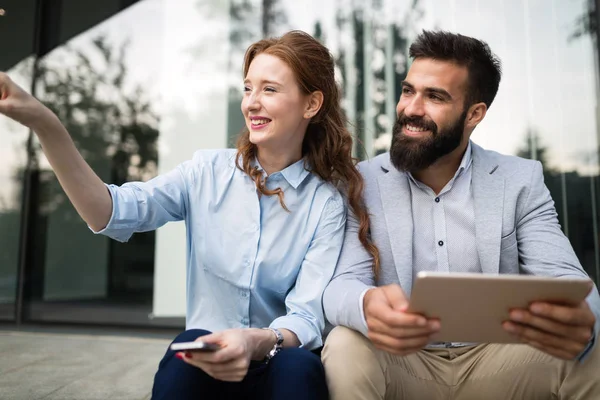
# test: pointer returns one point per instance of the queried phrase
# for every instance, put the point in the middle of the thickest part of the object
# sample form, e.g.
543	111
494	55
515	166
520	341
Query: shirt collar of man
464	166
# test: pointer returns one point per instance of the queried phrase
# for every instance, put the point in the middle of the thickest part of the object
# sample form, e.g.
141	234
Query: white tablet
472	307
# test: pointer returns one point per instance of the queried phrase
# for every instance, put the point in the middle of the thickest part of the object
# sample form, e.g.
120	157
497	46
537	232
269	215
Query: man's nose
415	107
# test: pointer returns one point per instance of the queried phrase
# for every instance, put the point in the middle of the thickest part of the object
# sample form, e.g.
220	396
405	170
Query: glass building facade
141	84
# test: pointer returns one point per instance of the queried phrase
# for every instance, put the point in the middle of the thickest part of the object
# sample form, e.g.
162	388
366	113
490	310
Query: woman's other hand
230	363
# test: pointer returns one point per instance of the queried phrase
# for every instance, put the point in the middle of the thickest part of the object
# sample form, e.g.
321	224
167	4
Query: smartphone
195	346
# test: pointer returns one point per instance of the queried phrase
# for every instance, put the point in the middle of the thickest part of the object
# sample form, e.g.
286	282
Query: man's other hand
561	331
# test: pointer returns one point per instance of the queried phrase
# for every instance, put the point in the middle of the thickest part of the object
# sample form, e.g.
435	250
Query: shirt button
437	199
245	321
441	243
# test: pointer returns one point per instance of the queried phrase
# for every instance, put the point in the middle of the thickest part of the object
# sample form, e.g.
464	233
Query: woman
265	224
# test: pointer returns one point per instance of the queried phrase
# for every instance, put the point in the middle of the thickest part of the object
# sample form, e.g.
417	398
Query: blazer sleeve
543	247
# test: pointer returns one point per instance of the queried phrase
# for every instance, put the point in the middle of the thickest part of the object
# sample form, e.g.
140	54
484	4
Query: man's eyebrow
436	90
439	91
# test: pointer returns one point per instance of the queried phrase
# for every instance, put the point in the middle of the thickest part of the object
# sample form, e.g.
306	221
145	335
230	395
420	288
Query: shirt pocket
508	241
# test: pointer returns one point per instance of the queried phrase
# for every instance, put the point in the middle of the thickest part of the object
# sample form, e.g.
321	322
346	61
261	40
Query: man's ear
475	115
315	101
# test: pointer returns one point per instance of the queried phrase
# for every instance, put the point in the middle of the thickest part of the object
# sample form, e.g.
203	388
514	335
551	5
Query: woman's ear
315	101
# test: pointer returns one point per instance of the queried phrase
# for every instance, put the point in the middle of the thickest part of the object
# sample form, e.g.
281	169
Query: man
439	202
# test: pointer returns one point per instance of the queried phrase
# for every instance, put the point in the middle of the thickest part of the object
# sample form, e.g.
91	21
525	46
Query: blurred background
142	84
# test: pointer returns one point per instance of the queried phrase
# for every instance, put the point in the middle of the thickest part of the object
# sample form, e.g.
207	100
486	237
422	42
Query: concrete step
77	366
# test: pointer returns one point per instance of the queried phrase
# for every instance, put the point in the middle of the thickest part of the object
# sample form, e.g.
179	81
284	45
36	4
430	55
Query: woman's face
276	111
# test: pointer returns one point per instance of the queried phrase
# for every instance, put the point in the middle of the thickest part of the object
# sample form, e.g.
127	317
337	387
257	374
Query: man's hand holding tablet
563	331
391	327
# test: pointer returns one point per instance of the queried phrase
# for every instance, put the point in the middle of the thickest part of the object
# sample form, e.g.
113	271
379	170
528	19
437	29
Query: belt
449	345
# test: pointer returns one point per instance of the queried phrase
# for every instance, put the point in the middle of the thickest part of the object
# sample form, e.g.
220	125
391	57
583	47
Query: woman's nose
253	100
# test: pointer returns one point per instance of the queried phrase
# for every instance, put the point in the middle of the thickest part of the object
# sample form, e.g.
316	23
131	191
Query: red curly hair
327	145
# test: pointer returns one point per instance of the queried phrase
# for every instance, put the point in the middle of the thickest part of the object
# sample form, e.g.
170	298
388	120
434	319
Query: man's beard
414	154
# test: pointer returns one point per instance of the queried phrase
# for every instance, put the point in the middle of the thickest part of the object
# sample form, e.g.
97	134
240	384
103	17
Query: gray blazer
516	227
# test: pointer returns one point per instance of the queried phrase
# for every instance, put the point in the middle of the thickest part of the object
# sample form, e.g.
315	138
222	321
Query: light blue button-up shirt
250	263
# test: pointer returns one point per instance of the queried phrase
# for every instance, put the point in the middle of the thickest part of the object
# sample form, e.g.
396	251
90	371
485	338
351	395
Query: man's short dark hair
484	67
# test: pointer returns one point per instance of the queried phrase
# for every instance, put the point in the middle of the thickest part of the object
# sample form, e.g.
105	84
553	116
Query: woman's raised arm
84	188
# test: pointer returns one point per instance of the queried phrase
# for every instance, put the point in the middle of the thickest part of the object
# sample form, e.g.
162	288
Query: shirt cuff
307	337
361	302
588	349
113	229
112	213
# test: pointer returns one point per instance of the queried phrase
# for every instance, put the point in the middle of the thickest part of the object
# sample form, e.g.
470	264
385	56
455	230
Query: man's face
431	114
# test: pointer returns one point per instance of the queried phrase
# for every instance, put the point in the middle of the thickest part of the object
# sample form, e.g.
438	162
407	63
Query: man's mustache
418	122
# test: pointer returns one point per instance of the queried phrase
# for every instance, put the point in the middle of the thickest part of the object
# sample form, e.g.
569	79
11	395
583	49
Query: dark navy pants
292	374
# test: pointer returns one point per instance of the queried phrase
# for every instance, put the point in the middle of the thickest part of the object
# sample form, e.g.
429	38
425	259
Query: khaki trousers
355	369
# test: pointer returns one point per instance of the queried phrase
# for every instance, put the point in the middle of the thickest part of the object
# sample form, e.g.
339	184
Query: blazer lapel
488	197
395	197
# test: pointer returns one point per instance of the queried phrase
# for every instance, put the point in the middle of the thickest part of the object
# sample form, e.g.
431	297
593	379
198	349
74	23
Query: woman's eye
270	89
247	89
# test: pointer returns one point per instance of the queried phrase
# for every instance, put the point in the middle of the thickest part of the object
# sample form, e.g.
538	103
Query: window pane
100	79
17	61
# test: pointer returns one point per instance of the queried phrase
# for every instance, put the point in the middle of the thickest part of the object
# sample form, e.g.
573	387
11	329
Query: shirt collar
465	164
294	174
